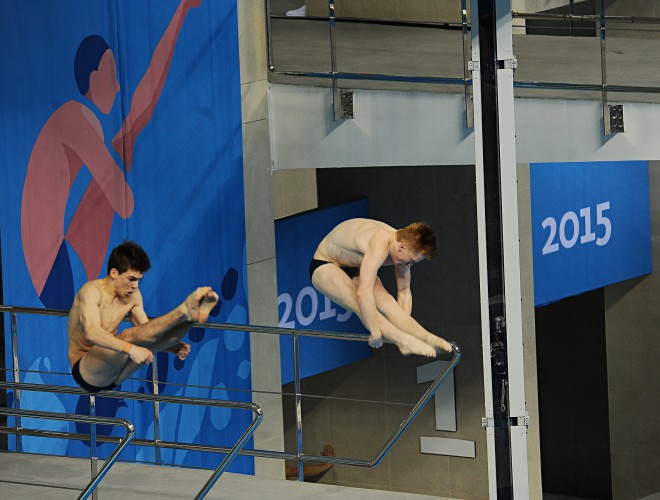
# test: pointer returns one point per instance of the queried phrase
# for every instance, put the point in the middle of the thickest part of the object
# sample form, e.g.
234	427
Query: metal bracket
613	119
520	421
474	66
343	104
514	421
509	63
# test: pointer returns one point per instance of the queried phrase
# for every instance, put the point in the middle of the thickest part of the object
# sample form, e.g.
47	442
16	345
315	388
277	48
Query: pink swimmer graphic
73	137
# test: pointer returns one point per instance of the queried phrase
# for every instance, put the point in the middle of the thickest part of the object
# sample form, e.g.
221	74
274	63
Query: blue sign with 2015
590	226
301	305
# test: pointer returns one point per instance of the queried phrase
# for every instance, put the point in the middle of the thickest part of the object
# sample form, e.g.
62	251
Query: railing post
603	69
336	98
92	443
296	378
154	385
467	75
17	378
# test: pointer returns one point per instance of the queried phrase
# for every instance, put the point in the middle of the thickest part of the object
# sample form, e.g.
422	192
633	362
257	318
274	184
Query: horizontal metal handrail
596	18
219	449
594	87
33	310
456	357
428	394
545	16
274	330
231	452
370	20
123	442
373	77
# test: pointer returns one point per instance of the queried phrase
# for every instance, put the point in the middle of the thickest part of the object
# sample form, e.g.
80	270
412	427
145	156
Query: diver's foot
413	345
199	304
436	341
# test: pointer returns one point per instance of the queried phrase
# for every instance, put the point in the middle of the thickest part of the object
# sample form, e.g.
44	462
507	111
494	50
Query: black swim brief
316	263
75	371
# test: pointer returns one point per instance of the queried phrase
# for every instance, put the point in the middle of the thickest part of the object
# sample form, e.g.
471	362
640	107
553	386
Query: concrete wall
294	191
260	232
529	332
417	128
632	317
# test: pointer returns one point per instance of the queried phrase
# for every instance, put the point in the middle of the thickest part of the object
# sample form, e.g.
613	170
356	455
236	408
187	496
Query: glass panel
552	48
399	50
372	39
632	50
300	44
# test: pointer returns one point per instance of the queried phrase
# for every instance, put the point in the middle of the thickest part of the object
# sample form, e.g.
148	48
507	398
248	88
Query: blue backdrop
186	179
301	306
590	226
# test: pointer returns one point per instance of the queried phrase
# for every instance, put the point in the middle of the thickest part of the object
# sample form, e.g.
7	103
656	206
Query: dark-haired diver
100	358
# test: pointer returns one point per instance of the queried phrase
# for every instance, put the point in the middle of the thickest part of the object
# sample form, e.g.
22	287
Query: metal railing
299	456
335	75
600	23
123	442
230	452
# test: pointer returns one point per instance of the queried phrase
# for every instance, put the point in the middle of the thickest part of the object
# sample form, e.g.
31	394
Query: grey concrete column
260	233
294	191
632	317
529	331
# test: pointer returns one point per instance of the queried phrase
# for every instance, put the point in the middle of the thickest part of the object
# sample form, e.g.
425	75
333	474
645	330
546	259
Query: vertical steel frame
603	68
17	375
156	408
511	249
469	108
299	434
336	98
93	459
483	261
505	419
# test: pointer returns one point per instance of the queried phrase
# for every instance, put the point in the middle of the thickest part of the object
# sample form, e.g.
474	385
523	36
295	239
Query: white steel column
511	250
511	285
483	266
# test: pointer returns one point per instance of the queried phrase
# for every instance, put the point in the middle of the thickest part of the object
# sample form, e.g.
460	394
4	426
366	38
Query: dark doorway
573	401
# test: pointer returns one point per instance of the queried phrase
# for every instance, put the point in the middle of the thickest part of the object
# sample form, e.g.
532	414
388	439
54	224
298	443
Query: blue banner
301	305
121	119
590	226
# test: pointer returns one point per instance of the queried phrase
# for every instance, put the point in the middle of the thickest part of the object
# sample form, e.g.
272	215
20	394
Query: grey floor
25	476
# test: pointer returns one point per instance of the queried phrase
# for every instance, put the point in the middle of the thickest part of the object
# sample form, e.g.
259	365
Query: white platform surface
24	476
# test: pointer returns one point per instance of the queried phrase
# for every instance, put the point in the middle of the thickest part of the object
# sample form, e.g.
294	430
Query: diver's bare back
347	243
112	310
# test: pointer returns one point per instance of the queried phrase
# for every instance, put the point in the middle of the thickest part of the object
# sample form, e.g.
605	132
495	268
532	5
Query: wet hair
128	255
88	57
420	237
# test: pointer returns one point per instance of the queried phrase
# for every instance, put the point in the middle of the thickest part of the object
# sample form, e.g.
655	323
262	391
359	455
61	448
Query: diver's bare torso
347	243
